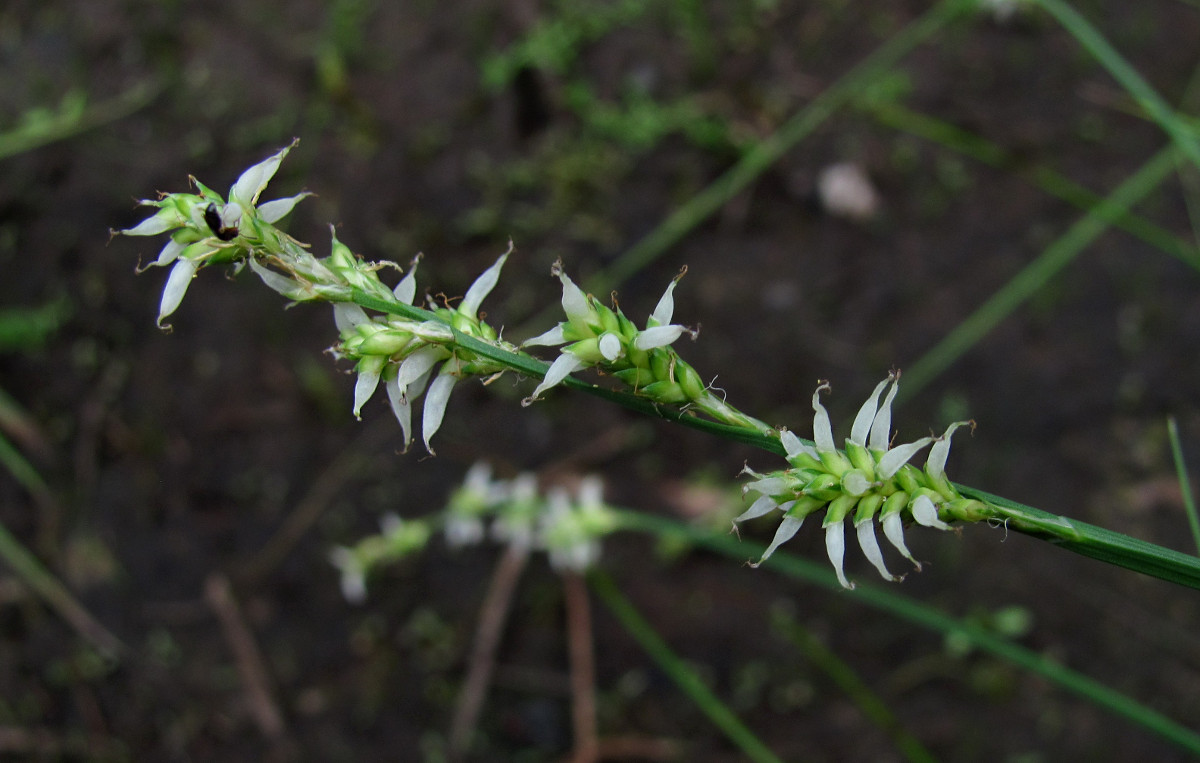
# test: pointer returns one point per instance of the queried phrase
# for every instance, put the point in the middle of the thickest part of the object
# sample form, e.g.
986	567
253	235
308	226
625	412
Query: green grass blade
1035	275
1185	485
42	582
678	671
855	688
1120	69
73	118
901	118
1098	543
758	159
896	604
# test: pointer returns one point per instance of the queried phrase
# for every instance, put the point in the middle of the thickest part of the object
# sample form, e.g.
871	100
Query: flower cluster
206	228
405	353
568	528
595	336
409	356
869	481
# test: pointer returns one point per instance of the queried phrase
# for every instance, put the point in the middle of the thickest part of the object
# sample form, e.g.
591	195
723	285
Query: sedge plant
866	481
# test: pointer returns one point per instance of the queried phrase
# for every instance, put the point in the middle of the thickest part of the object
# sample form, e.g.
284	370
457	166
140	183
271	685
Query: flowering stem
677	669
1071	534
748	429
894	603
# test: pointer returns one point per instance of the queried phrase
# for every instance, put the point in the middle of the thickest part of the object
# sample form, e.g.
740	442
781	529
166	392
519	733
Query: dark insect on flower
213	218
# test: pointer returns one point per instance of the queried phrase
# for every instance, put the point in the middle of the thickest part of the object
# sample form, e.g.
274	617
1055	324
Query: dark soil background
176	460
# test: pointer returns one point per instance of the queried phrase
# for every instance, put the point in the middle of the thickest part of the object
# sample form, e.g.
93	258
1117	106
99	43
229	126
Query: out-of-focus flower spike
406	290
436	399
562	367
870	546
354	574
767	486
787	529
482	286
835	546
177	284
861	428
822	429
935	466
925	513
881	428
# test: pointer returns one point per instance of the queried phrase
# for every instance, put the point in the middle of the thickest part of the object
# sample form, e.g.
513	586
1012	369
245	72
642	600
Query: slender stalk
1073	535
1120	69
855	688
890	600
677	670
1048	180
1035	275
57	596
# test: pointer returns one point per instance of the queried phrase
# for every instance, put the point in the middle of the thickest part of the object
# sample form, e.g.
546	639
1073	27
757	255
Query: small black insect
213	218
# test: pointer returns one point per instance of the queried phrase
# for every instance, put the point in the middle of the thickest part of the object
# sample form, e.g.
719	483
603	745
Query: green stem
42	582
531	366
1158	109
1073	535
1035	275
887	599
1060	186
678	671
1095	542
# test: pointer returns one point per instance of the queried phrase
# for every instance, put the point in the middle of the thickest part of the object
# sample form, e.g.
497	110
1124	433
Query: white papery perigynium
867	482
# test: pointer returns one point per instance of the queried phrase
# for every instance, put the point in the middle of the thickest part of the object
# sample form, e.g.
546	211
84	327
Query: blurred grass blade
1080	537
855	688
898	605
73	116
56	595
678	671
950	136
760	158
1035	275
1185	485
1120	69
